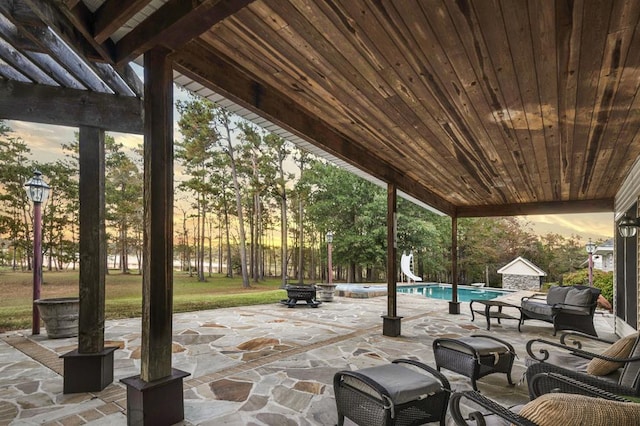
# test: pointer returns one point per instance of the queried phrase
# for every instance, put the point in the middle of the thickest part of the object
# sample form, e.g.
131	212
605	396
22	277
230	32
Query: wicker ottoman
405	392
474	356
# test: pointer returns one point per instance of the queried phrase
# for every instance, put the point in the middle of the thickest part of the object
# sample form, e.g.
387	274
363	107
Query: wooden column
93	259
391	324
454	305
90	367
157	267
156	397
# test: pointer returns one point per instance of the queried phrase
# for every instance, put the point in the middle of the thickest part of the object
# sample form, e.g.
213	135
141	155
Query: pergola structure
471	108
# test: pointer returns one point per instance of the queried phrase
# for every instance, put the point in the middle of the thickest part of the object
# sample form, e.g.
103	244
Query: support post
155	397
37	266
90	367
454	305
391	323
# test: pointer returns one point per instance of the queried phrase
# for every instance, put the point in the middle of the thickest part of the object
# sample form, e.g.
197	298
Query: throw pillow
620	349
578	300
578	297
557	294
564	409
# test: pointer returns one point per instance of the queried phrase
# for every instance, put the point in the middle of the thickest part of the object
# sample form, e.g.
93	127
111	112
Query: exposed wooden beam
70	107
82	19
112	15
75	46
176	23
52	17
19	61
10	29
10	73
208	68
549	207
23	41
66	58
21	12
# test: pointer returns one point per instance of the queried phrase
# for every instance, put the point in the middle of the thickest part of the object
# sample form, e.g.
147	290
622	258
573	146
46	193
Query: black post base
88	372
160	402
391	326
454	308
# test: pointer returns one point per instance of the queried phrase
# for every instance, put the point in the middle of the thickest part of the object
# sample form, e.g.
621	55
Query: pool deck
254	365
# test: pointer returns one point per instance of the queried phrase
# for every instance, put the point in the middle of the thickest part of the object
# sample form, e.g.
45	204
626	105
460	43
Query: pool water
443	292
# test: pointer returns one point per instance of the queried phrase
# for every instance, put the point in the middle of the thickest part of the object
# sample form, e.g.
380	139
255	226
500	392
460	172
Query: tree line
252	204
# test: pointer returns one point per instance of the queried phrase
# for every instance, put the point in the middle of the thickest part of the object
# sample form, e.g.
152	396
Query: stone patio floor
255	365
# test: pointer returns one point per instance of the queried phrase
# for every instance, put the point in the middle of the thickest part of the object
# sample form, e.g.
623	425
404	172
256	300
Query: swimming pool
441	291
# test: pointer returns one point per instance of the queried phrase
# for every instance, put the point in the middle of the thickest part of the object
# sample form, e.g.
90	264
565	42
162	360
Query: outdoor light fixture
591	247
628	227
38	191
329	258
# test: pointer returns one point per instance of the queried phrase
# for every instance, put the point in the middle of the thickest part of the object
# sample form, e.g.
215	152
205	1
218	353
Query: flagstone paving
256	365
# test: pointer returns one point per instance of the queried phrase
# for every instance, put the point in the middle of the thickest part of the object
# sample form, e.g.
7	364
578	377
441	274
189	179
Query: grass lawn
124	294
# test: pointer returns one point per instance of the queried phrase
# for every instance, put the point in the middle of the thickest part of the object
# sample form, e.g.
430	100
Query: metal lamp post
329	256
591	247
38	191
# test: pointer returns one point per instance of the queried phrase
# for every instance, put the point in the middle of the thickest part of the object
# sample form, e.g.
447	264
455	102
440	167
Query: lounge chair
567	308
616	369
589	405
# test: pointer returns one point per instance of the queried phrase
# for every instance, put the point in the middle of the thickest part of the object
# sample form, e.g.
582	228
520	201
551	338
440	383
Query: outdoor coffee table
488	313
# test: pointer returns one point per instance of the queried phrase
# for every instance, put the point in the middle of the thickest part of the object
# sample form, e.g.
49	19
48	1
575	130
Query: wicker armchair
567	308
618	374
405	392
589	405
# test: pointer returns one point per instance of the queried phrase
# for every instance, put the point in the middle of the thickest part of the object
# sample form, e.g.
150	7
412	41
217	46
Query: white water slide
405	264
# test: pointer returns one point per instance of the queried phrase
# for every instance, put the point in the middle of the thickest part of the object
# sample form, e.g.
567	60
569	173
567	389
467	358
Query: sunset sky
45	142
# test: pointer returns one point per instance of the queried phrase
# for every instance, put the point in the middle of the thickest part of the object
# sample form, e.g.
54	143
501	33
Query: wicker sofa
567	308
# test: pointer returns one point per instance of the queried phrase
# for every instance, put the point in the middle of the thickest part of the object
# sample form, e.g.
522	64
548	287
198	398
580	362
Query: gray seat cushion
537	308
482	345
572	363
564	360
403	384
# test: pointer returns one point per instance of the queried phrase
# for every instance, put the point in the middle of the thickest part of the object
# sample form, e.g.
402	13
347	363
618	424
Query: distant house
603	257
521	274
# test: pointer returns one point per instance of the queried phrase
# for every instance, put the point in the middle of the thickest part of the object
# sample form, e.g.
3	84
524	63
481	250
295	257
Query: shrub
602	280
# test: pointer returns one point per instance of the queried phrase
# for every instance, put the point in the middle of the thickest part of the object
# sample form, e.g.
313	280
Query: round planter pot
325	292
60	316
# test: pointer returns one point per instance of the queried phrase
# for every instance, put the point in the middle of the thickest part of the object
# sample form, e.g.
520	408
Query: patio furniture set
565	381
567	308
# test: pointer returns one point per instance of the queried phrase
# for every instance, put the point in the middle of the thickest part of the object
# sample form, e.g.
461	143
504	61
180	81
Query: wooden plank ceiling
487	107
